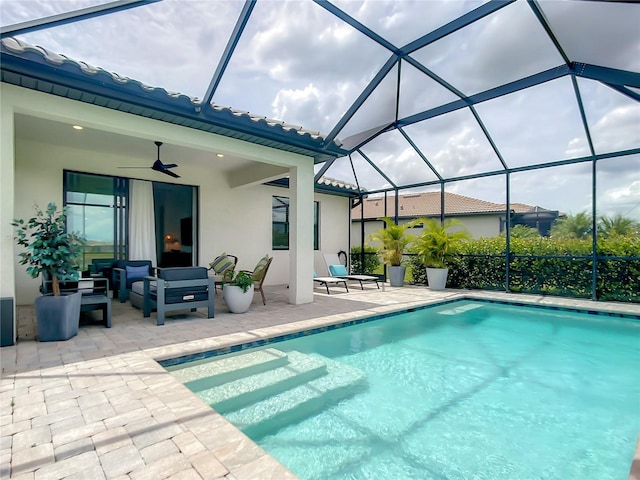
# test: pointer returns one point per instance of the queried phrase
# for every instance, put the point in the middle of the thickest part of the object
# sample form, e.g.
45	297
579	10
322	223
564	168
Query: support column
301	234
8	259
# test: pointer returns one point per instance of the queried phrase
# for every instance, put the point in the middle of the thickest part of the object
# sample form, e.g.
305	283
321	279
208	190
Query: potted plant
434	247
238	292
51	252
394	242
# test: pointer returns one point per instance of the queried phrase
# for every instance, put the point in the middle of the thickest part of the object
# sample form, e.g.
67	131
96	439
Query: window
95	210
280	220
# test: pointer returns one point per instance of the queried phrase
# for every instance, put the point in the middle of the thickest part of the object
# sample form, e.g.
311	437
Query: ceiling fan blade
171	174
170	165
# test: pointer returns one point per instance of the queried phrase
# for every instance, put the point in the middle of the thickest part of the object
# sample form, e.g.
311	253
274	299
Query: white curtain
142	225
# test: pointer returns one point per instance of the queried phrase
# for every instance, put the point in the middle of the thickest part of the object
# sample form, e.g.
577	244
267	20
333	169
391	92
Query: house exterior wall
236	220
477	225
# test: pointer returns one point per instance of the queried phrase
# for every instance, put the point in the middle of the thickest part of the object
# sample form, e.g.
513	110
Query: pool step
206	373
290	406
245	391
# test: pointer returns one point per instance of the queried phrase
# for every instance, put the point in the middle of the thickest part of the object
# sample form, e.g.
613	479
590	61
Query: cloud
623	199
298	63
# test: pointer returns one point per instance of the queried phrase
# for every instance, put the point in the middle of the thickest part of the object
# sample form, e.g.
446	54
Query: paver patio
100	406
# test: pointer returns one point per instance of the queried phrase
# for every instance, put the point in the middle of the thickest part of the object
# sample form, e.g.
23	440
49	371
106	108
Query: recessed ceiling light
219	155
78	127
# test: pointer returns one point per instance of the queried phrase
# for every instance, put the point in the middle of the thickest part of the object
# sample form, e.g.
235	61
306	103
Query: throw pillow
222	263
136	272
262	264
338	270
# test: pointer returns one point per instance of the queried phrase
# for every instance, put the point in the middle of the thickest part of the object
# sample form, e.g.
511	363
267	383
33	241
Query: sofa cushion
182	273
138	287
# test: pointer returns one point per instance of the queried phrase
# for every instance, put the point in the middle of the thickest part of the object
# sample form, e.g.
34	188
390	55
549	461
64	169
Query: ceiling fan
158	166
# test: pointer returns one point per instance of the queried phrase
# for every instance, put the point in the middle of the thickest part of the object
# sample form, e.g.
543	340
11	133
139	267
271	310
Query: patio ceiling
388	94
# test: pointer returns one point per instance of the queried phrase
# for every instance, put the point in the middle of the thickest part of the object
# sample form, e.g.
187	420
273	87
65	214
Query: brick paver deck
100	406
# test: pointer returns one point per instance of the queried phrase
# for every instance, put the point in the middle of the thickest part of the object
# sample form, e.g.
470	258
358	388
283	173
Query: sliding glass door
97	208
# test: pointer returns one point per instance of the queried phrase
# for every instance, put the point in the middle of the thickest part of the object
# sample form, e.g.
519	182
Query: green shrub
371	261
566	269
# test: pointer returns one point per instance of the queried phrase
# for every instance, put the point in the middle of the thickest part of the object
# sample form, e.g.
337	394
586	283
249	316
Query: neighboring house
481	218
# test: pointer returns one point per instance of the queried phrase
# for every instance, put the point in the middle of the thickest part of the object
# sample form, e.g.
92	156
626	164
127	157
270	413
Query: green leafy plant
436	243
243	279
50	250
394	240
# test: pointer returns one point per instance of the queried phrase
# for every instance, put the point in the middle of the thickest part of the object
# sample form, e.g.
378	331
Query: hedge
546	266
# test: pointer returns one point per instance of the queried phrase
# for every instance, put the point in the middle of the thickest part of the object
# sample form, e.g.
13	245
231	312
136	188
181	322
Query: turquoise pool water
457	391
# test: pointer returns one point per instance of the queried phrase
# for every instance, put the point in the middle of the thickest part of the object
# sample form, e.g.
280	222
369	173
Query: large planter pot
237	300
58	317
437	278
396	276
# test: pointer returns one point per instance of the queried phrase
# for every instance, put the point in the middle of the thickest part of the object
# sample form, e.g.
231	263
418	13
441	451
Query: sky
298	63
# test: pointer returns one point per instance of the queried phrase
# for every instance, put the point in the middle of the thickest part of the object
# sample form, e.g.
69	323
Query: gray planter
437	278
396	276
58	317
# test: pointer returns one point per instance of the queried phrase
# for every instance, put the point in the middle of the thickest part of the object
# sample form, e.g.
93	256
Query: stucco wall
235	220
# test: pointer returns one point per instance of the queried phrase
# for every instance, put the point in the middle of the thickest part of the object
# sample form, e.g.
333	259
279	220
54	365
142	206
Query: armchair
126	273
259	273
178	288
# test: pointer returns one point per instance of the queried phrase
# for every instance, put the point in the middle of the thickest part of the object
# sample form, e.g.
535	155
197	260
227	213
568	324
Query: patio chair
337	269
128	272
178	288
259	273
223	267
326	281
340	271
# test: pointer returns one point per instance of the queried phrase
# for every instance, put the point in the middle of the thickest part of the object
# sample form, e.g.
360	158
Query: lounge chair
337	269
259	273
326	281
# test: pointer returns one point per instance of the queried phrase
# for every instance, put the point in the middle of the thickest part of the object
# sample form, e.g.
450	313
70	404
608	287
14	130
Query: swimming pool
461	390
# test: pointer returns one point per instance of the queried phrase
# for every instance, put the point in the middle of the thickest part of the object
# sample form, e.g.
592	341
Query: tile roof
428	204
178	102
337	183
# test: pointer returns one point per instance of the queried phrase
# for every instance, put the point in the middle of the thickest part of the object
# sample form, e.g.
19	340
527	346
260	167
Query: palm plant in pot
393	242
435	246
238	292
52	253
